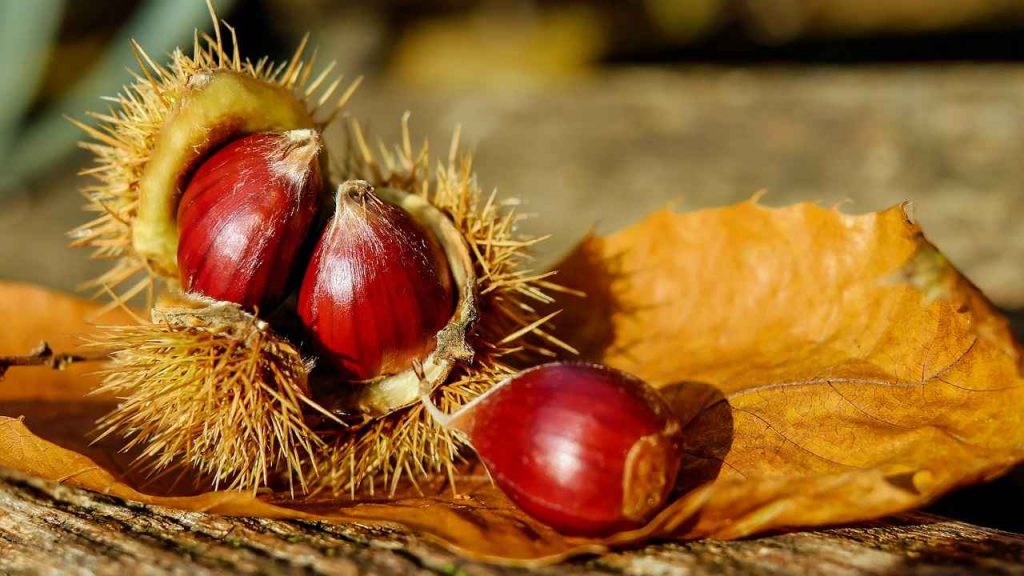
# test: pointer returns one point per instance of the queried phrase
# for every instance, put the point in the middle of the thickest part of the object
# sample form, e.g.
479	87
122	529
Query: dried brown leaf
828	367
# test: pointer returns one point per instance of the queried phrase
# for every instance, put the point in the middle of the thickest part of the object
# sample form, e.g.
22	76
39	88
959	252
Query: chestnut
245	215
586	449
377	290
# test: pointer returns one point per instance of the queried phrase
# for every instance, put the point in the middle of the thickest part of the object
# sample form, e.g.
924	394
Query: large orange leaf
828	368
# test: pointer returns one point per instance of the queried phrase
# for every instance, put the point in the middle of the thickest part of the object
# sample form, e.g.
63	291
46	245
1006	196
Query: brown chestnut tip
297	154
650	471
354	189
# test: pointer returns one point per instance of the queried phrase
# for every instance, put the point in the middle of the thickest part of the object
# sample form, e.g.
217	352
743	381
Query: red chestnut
377	290
584	448
245	216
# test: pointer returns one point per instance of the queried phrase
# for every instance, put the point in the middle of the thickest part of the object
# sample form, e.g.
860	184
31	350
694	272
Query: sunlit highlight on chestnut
377	290
245	216
586	449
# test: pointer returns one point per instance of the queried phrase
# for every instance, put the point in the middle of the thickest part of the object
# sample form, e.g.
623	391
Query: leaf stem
43	355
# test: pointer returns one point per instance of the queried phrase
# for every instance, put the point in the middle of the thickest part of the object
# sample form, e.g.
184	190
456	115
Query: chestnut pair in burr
375	288
586	449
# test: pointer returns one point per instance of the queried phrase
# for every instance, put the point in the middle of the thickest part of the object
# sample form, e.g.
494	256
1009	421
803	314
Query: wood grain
48	528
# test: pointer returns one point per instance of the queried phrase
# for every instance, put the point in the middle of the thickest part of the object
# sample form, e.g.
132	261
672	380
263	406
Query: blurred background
594	113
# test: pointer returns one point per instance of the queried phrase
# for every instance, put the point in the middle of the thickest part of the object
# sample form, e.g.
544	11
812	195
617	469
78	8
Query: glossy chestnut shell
377	289
245	216
586	449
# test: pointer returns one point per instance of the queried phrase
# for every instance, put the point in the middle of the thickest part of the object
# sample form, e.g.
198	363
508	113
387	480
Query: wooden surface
51	529
603	150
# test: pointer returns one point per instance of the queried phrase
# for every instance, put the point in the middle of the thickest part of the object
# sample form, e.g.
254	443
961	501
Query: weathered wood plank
48	528
620	144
